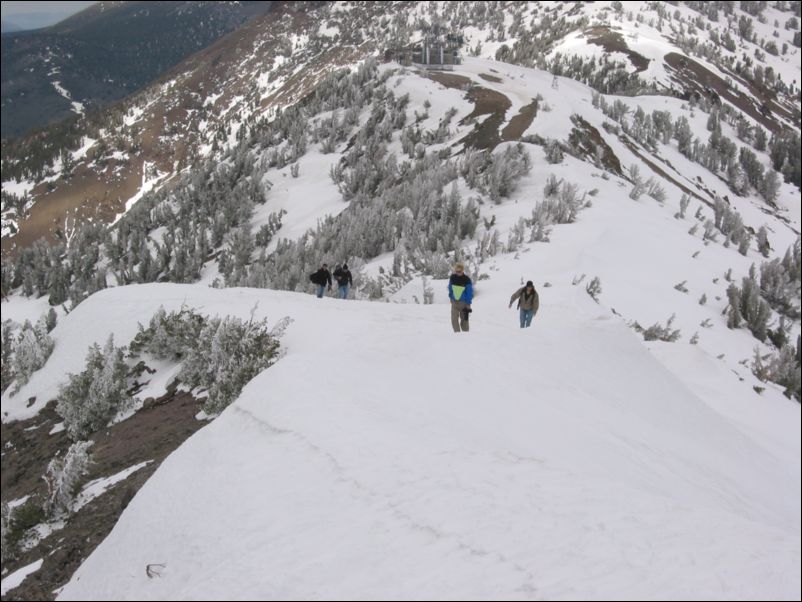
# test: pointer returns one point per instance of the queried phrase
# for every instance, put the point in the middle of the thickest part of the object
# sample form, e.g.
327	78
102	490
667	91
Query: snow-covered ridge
384	457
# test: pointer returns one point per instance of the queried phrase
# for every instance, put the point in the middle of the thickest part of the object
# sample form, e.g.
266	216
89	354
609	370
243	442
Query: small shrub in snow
168	336
683	206
227	355
552	186
501	176
554	153
746	305
15	523
656	191
656	332
50	320
557	208
782	368
266	232
594	288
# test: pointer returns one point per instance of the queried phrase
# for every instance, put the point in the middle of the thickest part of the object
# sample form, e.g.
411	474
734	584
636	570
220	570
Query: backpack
315	278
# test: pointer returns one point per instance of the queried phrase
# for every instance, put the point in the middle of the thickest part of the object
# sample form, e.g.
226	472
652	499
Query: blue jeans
526	317
319	290
343	291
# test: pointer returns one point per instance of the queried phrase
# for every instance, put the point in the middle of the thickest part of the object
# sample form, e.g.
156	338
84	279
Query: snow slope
386	458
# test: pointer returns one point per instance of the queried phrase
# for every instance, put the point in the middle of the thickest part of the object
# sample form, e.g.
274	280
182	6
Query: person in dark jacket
320	279
460	291
344	280
528	303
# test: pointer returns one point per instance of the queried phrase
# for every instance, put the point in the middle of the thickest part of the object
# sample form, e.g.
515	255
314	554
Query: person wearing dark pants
344	280
320	279
460	292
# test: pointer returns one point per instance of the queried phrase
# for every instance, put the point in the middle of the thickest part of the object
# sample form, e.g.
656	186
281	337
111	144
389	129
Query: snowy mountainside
382	459
96	169
660	232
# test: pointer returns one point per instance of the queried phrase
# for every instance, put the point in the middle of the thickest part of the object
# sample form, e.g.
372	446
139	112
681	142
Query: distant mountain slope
207	102
104	53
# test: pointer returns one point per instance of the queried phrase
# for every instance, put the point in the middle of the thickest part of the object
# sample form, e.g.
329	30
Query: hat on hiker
529	283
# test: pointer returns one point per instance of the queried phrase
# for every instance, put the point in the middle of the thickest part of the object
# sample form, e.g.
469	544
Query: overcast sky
58	10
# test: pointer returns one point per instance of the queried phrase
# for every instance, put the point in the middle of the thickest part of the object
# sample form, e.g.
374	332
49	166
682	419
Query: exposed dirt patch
587	142
85	196
696	79
486	135
450	80
151	434
613	41
490	78
486	102
520	123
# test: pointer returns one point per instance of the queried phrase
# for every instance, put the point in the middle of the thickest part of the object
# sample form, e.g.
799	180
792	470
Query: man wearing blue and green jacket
460	291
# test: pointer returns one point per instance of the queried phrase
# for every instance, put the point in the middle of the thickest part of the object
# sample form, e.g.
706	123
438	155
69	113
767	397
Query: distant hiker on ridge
320	279
460	291
344	280
528	303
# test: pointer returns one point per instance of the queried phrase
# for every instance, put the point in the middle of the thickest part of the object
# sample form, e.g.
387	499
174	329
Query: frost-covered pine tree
63	476
90	399
228	354
745	303
683	205
552	186
782	368
169	336
50	320
7	340
769	186
763	241
31	351
554	153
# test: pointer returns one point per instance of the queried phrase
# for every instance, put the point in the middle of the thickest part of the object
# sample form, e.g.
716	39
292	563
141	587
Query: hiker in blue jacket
460	291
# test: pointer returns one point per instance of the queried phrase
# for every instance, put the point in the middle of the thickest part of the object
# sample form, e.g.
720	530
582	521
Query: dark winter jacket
321	277
526	301
460	288
343	277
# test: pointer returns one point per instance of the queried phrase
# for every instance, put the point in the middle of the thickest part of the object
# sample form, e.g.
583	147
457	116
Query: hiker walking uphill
320	279
460	291
344	280
528	303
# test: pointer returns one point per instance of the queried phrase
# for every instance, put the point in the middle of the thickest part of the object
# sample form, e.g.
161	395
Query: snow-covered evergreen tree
228	354
31	350
91	398
63	476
